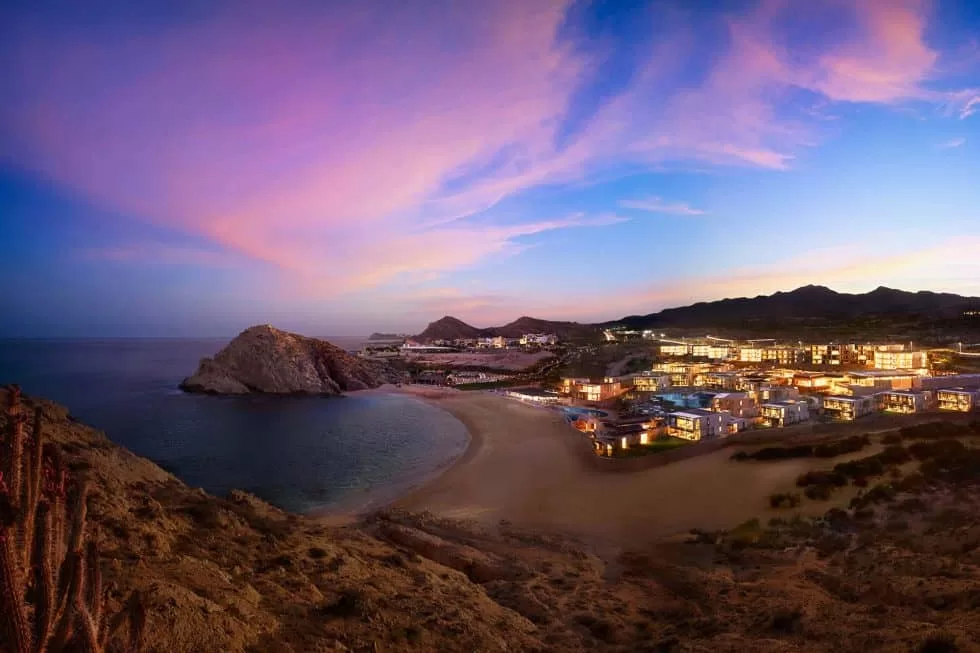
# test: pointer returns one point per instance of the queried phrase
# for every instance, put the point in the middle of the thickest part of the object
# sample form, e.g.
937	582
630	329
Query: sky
189	168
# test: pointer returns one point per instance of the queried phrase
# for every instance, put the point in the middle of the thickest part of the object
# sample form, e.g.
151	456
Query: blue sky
194	168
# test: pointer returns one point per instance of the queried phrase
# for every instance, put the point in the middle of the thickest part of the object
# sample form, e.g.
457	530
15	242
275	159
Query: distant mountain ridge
807	304
451	328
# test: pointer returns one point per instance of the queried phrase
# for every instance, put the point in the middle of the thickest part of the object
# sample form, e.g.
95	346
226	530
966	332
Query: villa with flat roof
906	401
697	424
961	400
784	413
848	409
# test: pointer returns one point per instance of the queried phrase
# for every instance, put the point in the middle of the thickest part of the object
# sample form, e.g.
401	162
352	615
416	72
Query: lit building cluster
879	356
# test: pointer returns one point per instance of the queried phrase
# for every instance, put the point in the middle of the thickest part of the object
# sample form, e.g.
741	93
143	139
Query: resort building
905	401
675	349
538	339
901	360
784	413
593	391
962	400
768	393
813	381
717	380
783	355
697	424
848	409
650	382
750	355
737	404
949	381
534	396
883	379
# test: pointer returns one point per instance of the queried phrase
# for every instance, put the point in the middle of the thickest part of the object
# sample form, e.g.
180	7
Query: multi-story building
882	379
901	360
538	339
737	404
697	424
813	381
650	381
717	380
905	401
766	393
594	391
784	413
682	374
750	355
848	408
675	349
962	400
782	355
949	381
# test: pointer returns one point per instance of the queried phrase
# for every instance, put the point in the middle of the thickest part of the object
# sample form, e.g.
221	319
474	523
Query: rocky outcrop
263	359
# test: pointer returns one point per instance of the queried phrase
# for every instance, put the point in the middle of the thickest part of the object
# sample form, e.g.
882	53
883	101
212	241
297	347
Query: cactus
51	594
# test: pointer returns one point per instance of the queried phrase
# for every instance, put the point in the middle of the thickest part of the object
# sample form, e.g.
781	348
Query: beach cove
525	465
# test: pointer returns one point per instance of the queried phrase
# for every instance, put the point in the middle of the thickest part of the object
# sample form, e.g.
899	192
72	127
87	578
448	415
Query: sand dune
526	466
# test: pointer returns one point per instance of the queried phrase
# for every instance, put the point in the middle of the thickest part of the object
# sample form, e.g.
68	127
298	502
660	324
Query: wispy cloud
955	142
348	148
658	205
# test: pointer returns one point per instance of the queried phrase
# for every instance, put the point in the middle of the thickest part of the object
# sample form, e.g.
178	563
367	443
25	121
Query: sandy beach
525	465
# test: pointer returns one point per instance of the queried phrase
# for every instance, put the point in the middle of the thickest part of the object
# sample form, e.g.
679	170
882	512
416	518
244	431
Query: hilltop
268	360
808	306
451	328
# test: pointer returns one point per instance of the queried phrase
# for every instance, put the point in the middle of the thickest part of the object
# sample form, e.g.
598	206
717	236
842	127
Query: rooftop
694	412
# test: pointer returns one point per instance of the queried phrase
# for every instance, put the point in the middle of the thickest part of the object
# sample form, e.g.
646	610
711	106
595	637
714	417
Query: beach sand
525	465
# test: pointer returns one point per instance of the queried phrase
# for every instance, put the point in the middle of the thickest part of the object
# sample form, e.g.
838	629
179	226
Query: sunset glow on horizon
341	168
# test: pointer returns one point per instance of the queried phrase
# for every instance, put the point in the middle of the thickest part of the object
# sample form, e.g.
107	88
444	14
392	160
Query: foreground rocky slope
900	571
268	360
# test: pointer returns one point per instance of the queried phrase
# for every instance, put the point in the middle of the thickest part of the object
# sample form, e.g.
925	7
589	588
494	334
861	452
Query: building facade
848	409
784	413
961	400
906	402
697	424
901	360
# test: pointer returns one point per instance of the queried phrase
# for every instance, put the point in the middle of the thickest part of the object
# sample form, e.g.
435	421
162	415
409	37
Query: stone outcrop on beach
263	359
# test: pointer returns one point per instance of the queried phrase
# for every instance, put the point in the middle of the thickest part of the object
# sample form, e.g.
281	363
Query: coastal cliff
263	359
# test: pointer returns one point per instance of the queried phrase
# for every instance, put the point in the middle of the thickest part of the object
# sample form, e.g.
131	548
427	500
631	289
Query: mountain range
812	305
451	328
806	306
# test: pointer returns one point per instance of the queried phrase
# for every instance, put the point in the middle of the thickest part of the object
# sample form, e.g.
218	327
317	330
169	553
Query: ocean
299	453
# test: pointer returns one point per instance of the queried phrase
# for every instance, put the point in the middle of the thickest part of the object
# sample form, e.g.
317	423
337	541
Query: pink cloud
349	146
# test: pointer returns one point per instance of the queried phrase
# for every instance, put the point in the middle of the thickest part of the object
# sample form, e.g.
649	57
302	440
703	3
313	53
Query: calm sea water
297	453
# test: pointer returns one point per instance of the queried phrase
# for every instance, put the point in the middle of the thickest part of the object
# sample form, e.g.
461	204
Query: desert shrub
776	453
938	643
818	492
828	479
317	553
784	500
941	448
747	532
787	622
864	467
840	447
350	603
881	493
860	481
914	482
932	430
601	629
894	455
891	438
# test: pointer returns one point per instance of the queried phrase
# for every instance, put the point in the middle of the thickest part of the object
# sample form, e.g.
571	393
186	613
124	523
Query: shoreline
351	511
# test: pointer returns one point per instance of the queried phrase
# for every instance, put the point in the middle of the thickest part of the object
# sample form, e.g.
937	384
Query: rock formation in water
263	359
